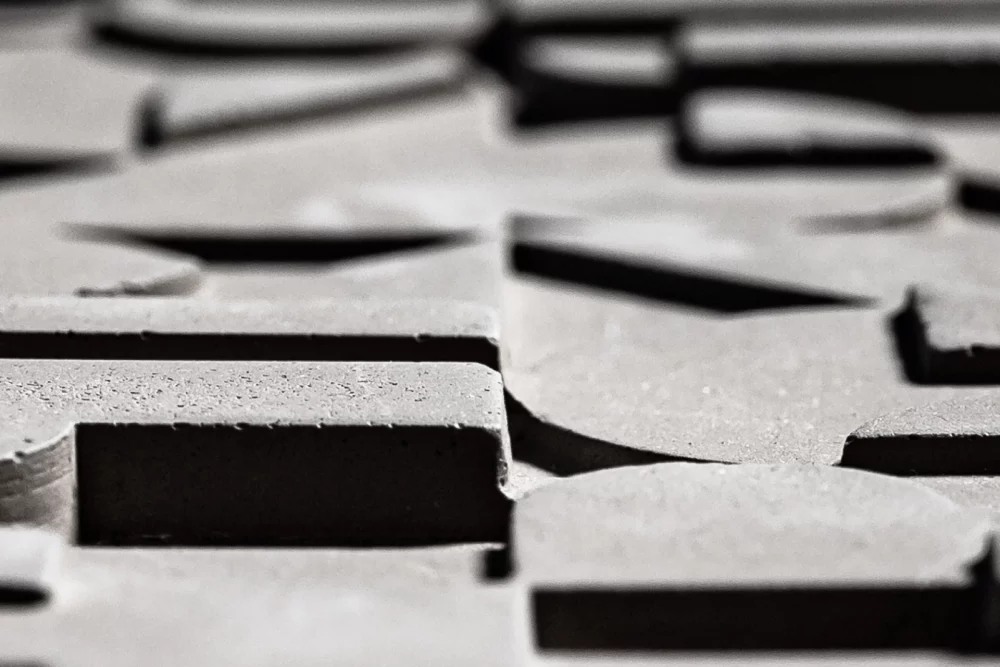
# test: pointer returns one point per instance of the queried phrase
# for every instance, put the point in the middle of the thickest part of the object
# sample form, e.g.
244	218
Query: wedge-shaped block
687	556
353	454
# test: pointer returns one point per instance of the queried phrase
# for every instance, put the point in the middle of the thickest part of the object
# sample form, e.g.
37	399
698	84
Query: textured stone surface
722	265
318	329
293	459
643	384
84	444
790	552
768	129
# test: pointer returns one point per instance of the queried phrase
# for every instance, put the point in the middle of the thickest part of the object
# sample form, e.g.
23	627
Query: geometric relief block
243	453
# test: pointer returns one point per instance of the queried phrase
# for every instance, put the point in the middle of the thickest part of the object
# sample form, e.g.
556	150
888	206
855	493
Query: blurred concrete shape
174	24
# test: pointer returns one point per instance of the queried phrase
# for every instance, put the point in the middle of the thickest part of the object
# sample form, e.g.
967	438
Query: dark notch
670	284
557	88
122	37
848	157
276	247
976	193
287	485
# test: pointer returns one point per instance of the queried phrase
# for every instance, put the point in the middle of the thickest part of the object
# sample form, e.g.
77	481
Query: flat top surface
39	399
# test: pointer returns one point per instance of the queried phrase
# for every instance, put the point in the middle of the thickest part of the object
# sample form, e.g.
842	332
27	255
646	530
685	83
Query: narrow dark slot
979	195
667	284
276	249
820	157
17	596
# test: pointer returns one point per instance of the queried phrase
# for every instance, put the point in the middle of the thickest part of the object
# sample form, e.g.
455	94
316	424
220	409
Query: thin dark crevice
154	132
563	452
122	37
819	157
673	285
290	249
10	170
979	195
904	326
921	87
246	347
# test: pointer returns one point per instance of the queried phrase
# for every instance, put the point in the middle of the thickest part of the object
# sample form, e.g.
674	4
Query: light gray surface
193	316
43	400
194	99
644	61
36	86
685	525
296	24
654	382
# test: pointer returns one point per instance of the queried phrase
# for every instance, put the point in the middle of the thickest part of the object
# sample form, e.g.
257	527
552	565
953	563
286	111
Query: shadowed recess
245	347
154	131
122	37
755	619
670	284
977	194
944	88
562	452
290	249
286	485
905	329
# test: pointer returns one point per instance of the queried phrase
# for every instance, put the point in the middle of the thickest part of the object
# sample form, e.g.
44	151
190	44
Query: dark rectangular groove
287	485
964	86
760	619
246	347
